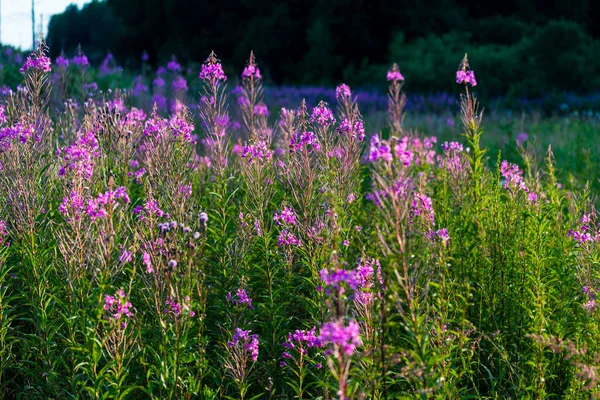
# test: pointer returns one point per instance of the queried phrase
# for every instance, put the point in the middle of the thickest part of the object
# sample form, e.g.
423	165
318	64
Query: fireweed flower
260	110
590	305
394	74
173	66
379	150
584	234
241	298
62	62
79	158
258	152
286	216
304	140
440	235
522	137
81	60
212	70
117	306
251	71
176	308
147	262
322	115
356	130
345	337
287	238
422	207
33	62
248	342
464	74
299	342
180	84
182	129
3	233
338	278
513	176
126	257
343	92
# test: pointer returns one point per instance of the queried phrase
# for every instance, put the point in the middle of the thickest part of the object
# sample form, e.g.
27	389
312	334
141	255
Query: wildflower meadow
181	238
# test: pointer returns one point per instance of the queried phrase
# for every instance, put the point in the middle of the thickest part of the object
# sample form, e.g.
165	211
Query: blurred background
518	48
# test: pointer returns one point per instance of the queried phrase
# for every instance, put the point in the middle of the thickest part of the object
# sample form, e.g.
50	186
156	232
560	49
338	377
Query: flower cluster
338	278
249	342
513	176
240	297
258	152
322	115
343	92
81	60
307	140
394	74
287	238
584	234
590	305
366	272
74	206
379	150
251	71
301	341
33	62
78	159
20	132
286	216
439	235
212	70
466	77
260	109
176	308
180	84
117	306
345	337
355	130
422	207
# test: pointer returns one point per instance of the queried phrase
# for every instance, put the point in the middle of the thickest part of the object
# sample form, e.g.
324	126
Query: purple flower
466	77
240	297
356	130
287	238
337	278
249	342
513	176
257	152
81	60
522	137
212	70
41	63
347	338
173	66
394	74
117	306
179	84
322	115
147	262
306	140
422	206
126	257
62	62
287	216
260	109
343	92
379	150
251	71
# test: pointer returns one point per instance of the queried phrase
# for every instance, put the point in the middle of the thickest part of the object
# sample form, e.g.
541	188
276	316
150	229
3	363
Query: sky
15	19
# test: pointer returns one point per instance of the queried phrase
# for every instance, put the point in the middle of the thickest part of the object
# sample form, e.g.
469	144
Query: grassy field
215	248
